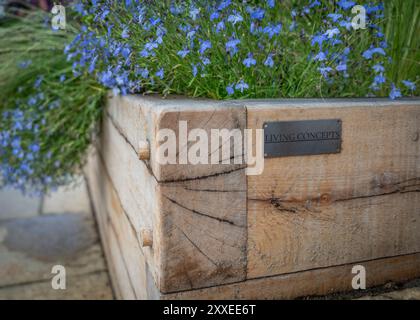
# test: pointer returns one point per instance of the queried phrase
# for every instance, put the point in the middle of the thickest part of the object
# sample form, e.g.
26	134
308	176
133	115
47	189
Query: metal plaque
297	138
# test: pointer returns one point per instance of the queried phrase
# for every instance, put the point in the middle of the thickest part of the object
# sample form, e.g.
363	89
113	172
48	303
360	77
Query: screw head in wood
146	238
144	150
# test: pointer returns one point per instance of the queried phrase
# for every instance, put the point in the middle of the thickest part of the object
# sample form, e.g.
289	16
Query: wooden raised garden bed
210	231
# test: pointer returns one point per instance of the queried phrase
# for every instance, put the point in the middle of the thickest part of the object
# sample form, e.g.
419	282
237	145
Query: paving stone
405	294
13	204
377	297
30	247
72	199
94	286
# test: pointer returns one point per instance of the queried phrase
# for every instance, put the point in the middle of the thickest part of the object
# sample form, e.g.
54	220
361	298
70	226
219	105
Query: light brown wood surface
295	230
125	258
198	221
310	283
325	210
139	119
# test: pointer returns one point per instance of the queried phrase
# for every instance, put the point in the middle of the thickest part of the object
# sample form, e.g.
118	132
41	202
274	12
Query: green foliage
50	105
44	107
402	28
295	72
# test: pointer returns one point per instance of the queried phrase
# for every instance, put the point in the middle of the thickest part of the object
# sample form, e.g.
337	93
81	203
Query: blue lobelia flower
235	17
32	101
125	33
409	84
144	73
321	56
230	90
271	3
269	62
379	79
330	33
341	67
346	24
372	9
182	53
176	9
34	147
325	71
38	81
315	3
214	15
334	16
224	4
241	86
205	61
231	46
160	73
378	68
346	51
194	69
104	14
92	65
204	45
344	4
395	92
272	30
368	54
249	61
256	13
145	53
293	26
25	64
149	46
194	12
220	26
154	21
318	39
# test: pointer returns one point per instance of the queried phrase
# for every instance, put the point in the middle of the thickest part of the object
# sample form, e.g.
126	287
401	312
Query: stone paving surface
38	233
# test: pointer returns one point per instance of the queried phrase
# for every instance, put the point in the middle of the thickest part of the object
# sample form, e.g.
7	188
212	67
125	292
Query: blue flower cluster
21	157
137	46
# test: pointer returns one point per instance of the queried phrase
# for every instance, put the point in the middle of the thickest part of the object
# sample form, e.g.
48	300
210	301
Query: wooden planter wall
212	232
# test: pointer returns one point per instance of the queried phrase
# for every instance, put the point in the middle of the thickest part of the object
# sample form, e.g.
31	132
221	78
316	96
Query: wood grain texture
125	258
295	230
309	283
134	186
325	210
140	118
204	231
198	222
203	206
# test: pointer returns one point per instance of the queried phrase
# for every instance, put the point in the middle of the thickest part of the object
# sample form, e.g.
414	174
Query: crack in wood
201	126
212	190
201	213
278	202
108	176
149	169
111	224
217	174
121	133
279	206
239	247
376	195
196	246
248	279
